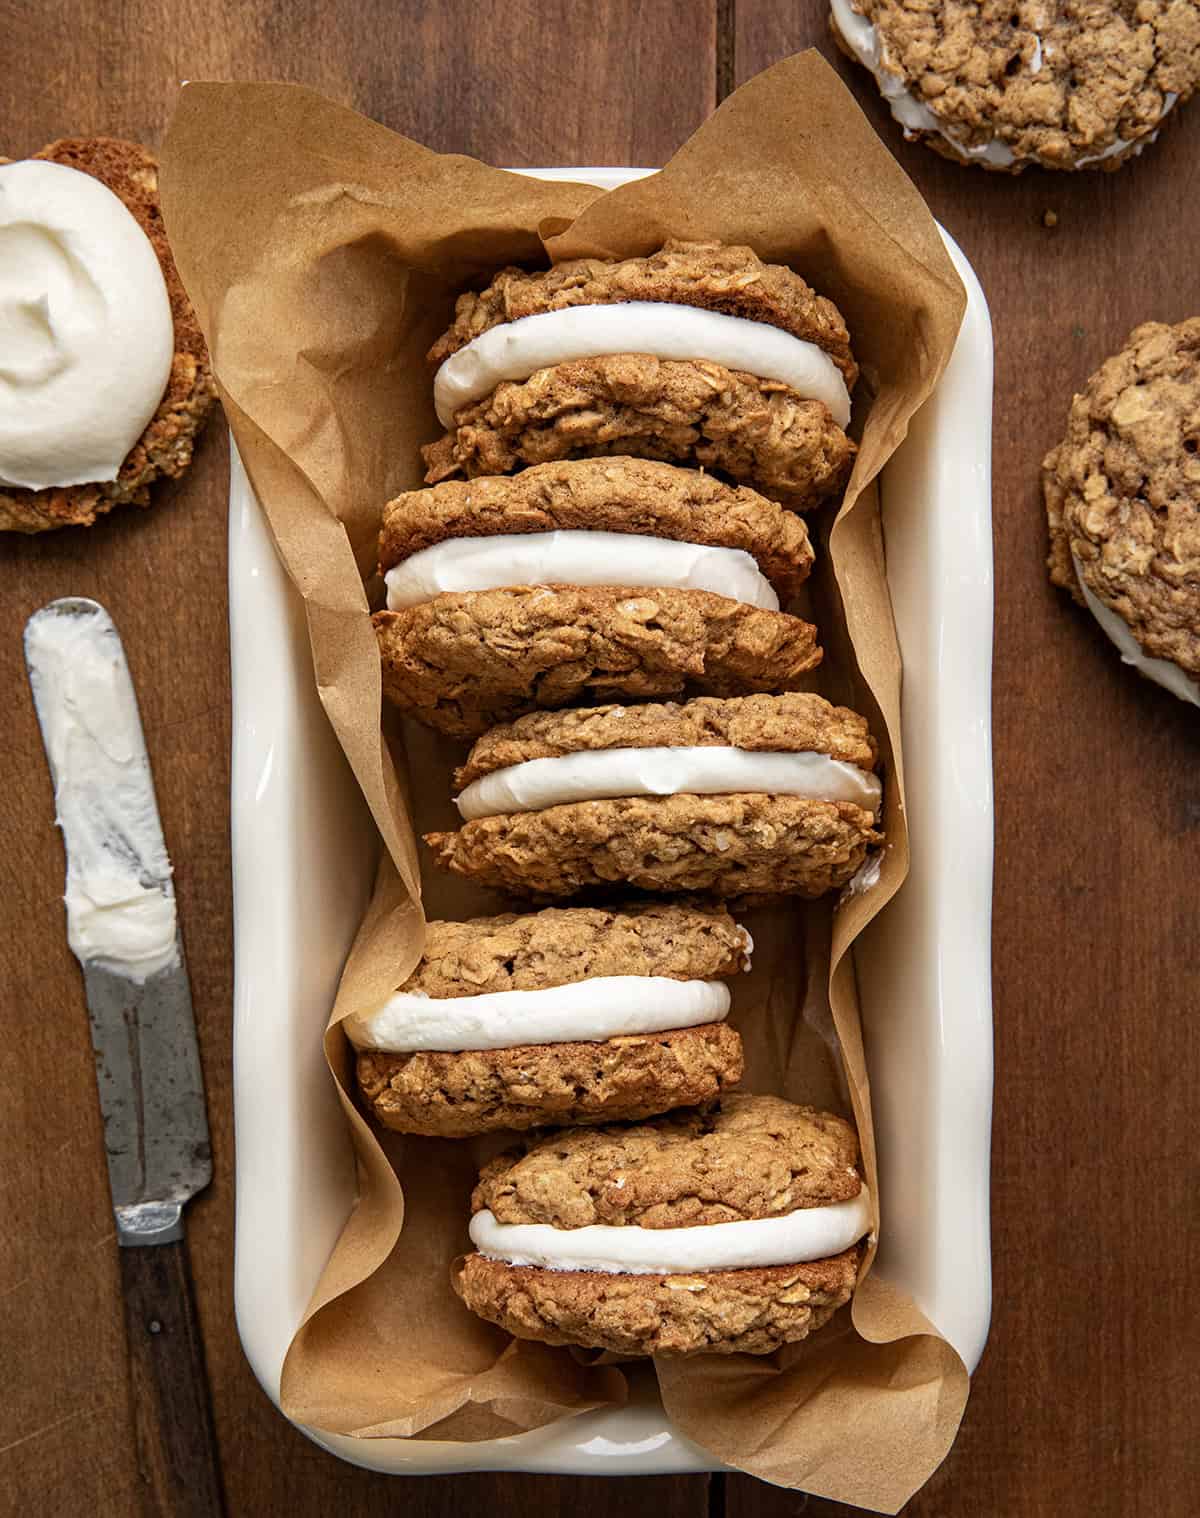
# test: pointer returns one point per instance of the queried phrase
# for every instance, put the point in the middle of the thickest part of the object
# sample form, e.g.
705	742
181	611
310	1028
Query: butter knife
122	927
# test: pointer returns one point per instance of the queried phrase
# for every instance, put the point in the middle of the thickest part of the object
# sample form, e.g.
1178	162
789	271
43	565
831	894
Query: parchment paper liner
323	254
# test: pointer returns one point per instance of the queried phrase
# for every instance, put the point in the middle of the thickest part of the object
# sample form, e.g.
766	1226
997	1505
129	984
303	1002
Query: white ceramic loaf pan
303	859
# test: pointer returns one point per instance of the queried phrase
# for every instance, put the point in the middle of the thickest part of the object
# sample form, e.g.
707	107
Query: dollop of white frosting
119	899
863	39
809	1233
715	770
517	349
583	1011
574	557
1162	671
86	335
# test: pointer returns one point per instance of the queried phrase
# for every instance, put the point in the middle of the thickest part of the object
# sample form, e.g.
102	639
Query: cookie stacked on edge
699	354
740	797
574	553
738	1230
574	1015
592	580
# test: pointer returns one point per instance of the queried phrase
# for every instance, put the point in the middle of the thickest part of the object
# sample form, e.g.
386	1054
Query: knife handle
177	1449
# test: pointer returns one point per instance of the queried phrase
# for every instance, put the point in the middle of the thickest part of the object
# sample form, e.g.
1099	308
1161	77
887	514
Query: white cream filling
576	558
86	334
519	348
583	1011
864	41
1162	671
865	878
603	774
809	1233
119	899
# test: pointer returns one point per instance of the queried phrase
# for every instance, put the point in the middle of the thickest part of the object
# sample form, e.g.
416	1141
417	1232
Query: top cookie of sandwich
164	449
715	277
615	495
1123	493
1009	84
534	951
755	1157
793	722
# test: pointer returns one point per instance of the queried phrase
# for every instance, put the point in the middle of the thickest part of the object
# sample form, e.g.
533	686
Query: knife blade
122	926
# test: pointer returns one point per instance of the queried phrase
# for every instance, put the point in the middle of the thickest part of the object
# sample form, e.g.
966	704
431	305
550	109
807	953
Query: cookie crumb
1049	218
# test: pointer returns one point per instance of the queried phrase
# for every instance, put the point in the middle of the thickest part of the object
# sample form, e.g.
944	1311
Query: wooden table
1087	1400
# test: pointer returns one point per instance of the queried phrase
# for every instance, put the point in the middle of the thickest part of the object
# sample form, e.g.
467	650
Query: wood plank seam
726	48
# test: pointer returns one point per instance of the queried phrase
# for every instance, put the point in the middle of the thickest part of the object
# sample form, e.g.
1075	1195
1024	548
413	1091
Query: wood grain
171	1410
523	83
1087	1400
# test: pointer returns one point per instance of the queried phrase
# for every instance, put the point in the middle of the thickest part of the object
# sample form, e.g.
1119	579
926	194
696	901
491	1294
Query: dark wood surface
1087	1399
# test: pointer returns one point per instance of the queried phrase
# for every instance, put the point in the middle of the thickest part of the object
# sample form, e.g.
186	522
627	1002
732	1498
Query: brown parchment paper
323	254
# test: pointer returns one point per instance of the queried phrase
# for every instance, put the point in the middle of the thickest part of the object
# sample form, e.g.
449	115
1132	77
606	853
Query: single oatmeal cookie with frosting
164	448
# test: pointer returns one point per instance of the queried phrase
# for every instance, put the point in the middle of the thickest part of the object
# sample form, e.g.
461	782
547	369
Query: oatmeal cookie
1005	85
757	1156
533	951
729	846
459	1095
573	1015
463	662
751	1311
760	724
1122	495
739	797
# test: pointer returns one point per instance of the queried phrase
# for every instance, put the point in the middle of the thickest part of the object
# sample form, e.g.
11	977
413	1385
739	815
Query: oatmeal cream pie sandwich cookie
734	1230
1009	83
698	354
586	580
104	374
1123	499
734	797
574	1015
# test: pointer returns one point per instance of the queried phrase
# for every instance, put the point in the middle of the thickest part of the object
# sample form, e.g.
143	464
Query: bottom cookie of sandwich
751	1311
617	1079
732	845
